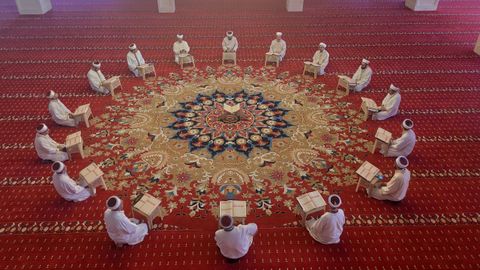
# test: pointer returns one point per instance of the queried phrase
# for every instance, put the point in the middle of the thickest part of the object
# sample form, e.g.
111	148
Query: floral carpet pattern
196	138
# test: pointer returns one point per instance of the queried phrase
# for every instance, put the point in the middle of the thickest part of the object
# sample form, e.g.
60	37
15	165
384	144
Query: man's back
234	244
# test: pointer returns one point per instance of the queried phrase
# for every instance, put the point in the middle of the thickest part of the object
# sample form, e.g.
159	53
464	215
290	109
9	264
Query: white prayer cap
230	33
51	94
279	34
132	46
407	124
42	128
323	45
394	88
365	61
226	222
113	202
401	162
180	36
58	167
334	201
96	64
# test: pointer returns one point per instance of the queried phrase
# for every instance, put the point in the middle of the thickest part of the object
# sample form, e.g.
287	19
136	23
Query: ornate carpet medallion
204	136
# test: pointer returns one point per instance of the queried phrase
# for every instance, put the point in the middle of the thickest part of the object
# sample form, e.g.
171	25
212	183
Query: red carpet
429	55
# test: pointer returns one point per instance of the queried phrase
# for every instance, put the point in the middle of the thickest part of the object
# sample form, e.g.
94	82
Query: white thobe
60	113
402	146
134	60
396	188
391	104
230	45
180	47
68	189
123	231
321	59
328	228
234	244
47	148
278	47
362	78
96	78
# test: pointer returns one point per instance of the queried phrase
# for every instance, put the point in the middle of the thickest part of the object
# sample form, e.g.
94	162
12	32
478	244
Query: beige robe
391	104
134	60
178	47
230	45
60	113
362	78
96	78
396	188
278	47
321	59
47	148
402	146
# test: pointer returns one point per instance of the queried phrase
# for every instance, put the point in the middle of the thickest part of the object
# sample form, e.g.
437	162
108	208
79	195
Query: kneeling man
48	149
329	227
65	186
390	104
121	229
234	241
59	112
404	145
395	189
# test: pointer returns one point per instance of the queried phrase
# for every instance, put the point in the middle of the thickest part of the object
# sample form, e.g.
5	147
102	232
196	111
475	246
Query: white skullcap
331	203
365	61
229	33
51	94
401	162
42	128
60	165
322	45
279	34
394	88
226	222
132	46
118	201
96	64
179	35
407	124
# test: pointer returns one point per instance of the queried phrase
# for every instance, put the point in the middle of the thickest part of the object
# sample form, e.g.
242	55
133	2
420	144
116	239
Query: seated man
321	57
278	46
134	59
396	188
48	149
121	229
230	43
362	76
404	145
180	47
65	186
234	241
96	78
329	227
390	104
59	112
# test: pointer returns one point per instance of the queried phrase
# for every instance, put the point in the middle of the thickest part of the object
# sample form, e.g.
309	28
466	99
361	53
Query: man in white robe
59	112
404	145
48	149
134	59
321	58
120	228
390	104
65	186
362	76
234	241
329	227
180	47
230	43
278	46
96	78
395	189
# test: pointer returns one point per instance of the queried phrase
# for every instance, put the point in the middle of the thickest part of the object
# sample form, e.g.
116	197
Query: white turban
226	222
42	128
401	162
96	64
132	46
60	168
365	61
323	45
331	203
117	204
51	94
180	36
230	33
407	124
279	34
394	88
